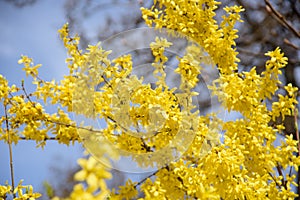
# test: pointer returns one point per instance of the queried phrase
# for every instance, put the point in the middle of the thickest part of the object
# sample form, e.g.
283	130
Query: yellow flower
4	191
29	68
128	191
28	194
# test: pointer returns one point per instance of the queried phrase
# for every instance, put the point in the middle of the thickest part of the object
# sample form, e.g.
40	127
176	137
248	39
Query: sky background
32	31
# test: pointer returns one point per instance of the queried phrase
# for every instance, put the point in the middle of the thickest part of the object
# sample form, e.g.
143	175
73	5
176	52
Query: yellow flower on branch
29	68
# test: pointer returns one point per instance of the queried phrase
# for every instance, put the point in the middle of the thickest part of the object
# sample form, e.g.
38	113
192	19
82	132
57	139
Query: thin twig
297	136
288	42
10	152
283	182
296	127
277	184
281	18
49	138
144	179
251	53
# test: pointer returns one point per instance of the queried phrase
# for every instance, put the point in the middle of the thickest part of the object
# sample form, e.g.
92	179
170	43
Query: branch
277	184
296	127
288	42
10	153
143	180
251	53
49	138
283	182
281	18
297	136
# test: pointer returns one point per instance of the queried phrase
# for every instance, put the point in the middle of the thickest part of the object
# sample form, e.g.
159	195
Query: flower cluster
143	120
21	192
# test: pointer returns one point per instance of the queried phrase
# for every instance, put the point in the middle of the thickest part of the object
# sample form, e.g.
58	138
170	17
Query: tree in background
246	165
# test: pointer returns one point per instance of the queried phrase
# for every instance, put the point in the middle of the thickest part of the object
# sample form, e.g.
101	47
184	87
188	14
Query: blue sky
32	31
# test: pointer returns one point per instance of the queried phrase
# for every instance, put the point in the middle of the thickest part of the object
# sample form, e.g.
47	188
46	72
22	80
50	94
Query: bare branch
10	152
280	18
298	139
288	42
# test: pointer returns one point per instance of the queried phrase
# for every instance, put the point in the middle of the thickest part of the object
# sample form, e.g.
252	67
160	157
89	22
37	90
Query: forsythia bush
246	165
